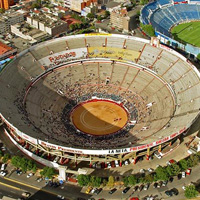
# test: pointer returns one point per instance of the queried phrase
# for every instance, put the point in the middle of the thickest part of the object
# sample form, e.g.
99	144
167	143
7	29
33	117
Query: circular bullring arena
98	97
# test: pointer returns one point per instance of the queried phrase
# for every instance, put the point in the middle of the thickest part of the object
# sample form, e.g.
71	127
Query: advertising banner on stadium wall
63	56
109	151
29	138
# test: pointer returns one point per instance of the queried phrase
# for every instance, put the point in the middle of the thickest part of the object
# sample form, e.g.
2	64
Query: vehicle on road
125	190
112	191
60	197
26	194
3	173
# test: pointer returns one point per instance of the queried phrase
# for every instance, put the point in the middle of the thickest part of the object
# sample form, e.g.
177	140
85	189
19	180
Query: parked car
3	166
171	179
108	165
126	162
116	163
150	169
97	191
142	171
140	188
29	175
168	193
155	185
146	187
39	179
159	184
179	176
125	190
188	171
174	191
89	189
164	183
183	174
93	190
112	191
135	188
170	162
157	155
18	172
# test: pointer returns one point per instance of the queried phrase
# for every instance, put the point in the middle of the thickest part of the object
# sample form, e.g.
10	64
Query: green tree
15	161
6	157
132	180
173	169
1	154
2	10
90	16
71	27
99	18
149	178
106	14
95	181
125	181
104	182
83	180
143	2
198	57
190	192
183	164
111	181
148	29
193	160
47	172
23	164
161	173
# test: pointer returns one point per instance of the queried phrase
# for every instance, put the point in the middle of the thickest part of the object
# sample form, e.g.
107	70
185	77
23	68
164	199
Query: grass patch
187	33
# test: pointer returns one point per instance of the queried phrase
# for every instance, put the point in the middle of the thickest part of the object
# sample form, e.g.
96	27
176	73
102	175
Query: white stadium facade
158	87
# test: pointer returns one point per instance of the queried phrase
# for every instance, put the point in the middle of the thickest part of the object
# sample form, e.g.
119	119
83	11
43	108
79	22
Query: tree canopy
190	192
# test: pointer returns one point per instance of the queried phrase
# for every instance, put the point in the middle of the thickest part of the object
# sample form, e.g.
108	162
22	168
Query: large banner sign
63	56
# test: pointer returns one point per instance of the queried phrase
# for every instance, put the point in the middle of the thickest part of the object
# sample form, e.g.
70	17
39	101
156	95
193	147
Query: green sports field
187	33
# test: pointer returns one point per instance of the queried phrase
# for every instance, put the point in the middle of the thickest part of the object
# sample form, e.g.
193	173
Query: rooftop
4	48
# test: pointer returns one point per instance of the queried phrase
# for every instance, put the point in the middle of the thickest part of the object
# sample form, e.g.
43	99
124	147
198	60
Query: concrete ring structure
157	87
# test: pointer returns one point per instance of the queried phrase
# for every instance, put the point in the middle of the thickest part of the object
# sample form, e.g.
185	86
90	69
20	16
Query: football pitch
187	33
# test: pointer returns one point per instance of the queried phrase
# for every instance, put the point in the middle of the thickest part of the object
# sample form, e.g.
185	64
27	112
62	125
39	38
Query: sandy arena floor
99	117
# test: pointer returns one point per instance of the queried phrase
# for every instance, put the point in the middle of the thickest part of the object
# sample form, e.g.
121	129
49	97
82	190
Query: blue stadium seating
162	14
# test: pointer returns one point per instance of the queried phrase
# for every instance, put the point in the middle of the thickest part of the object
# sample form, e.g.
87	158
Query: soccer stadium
98	98
164	14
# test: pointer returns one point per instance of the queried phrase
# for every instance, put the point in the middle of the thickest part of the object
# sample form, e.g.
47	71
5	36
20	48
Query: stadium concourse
60	96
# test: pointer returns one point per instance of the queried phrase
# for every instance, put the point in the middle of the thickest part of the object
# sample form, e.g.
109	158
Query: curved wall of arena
183	79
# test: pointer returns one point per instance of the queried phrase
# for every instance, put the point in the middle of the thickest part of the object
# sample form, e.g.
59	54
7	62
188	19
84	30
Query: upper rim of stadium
164	14
180	81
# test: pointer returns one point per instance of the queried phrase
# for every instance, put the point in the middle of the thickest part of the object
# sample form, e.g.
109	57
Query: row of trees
23	163
26	164
161	173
